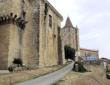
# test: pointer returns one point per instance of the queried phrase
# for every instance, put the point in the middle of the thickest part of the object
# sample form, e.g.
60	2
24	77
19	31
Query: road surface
49	78
4	71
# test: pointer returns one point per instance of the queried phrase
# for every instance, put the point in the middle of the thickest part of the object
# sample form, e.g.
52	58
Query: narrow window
50	20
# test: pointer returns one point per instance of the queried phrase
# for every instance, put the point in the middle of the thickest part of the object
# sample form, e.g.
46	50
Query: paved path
50	78
4	71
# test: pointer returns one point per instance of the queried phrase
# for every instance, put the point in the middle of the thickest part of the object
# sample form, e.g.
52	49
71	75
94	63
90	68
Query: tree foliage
81	67
17	61
69	52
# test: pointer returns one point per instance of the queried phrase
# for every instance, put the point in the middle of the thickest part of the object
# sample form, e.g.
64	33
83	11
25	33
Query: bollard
76	68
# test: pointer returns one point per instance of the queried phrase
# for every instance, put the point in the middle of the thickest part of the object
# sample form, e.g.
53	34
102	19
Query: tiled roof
68	23
88	49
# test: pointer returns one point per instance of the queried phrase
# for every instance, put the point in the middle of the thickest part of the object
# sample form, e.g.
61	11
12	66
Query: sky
93	20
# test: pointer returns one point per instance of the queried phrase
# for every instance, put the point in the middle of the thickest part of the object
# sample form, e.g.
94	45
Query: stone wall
29	37
71	37
37	44
4	42
48	37
5	7
14	47
11	32
31	34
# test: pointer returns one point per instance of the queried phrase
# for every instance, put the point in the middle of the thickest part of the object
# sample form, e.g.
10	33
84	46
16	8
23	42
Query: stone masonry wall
48	37
29	46
23	43
37	44
31	34
5	7
69	37
4	42
13	44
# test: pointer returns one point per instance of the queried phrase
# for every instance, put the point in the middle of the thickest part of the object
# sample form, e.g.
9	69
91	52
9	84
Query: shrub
10	69
108	76
107	70
80	67
17	61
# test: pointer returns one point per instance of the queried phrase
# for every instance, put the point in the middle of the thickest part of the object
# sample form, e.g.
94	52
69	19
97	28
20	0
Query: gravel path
50	78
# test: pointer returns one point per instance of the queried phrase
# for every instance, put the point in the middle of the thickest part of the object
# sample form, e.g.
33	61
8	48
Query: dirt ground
96	77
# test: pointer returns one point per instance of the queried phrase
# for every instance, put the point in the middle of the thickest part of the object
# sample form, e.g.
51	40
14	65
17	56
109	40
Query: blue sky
93	20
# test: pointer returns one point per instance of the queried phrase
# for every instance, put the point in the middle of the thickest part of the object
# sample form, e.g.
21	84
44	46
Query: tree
17	61
81	67
69	52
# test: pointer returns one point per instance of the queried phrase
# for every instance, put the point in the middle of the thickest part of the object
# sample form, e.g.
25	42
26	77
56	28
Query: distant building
106	62
89	54
91	58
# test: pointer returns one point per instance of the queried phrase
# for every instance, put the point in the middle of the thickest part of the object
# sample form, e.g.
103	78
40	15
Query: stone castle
31	30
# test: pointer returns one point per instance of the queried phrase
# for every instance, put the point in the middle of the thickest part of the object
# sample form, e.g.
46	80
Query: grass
95	77
57	83
63	80
58	66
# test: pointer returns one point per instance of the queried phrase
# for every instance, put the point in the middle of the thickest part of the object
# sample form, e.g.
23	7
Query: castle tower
71	36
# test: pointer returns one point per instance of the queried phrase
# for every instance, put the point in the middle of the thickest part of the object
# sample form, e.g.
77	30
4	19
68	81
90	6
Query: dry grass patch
96	77
9	79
